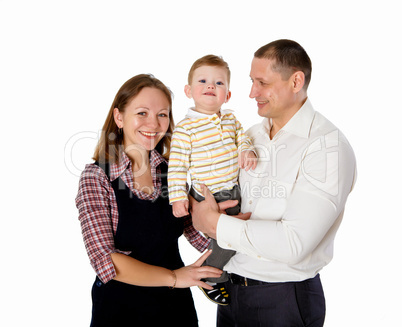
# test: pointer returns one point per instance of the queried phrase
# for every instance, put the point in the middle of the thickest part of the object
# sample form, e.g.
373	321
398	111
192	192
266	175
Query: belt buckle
245	281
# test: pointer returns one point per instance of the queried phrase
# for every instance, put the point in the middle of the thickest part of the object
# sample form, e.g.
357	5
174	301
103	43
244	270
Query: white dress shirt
297	197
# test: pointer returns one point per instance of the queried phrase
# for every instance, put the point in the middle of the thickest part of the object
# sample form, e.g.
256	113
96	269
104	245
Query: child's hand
180	208
247	160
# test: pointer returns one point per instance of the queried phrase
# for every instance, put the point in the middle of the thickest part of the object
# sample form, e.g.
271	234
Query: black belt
244	281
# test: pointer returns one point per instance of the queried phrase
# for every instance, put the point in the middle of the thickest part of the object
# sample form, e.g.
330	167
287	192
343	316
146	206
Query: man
296	196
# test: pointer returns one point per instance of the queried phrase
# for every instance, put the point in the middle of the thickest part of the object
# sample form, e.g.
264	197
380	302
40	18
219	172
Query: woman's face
145	119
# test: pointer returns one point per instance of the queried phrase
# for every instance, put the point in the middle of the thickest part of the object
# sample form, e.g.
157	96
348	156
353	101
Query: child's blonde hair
208	60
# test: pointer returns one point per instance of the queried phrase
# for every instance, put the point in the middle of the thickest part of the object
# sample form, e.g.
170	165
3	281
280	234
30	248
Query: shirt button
250	202
229	245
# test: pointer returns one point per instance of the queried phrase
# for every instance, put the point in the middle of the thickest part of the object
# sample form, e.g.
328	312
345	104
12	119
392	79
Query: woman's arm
108	262
132	271
96	214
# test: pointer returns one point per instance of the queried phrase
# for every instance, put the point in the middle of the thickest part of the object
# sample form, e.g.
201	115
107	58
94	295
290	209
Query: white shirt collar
191	113
300	123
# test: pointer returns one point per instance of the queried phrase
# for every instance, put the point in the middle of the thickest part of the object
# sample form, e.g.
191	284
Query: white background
61	64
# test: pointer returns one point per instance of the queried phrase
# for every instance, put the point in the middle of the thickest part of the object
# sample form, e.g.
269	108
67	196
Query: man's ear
187	91
298	80
228	96
118	119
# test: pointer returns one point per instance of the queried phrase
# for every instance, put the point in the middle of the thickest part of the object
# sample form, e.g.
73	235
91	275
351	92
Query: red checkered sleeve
98	215
193	236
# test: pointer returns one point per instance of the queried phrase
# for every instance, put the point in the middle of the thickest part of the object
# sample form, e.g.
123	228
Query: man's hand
206	214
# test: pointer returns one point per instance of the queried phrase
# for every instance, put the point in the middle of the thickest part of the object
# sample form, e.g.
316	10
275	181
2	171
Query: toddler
210	144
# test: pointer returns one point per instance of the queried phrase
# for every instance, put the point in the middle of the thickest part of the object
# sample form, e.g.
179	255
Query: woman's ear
118	119
187	91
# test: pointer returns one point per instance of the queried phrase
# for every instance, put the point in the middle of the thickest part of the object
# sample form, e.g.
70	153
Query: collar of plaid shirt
124	170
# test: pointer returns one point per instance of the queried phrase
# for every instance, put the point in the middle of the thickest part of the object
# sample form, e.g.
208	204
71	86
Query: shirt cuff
229	231
104	268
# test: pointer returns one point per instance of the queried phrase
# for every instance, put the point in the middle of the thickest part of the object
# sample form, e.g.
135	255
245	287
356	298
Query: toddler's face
209	89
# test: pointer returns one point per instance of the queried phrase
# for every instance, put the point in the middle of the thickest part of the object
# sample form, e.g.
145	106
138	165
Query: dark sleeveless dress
149	230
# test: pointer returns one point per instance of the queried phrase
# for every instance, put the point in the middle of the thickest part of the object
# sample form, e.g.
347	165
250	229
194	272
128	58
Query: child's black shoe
218	294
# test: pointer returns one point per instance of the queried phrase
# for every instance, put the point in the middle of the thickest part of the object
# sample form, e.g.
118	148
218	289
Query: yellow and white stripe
207	147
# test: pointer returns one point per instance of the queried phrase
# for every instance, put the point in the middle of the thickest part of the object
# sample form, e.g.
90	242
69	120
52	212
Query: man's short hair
289	57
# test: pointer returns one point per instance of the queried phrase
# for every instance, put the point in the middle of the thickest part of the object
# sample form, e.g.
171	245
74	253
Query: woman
129	231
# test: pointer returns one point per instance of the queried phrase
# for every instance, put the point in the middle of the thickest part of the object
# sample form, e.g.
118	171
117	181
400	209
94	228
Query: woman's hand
191	275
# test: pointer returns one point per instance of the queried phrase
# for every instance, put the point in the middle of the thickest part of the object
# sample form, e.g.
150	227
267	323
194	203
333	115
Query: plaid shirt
98	212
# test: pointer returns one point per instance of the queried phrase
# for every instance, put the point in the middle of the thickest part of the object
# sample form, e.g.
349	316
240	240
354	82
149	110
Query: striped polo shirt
207	147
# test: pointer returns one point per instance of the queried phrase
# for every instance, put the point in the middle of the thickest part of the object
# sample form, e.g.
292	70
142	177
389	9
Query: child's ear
228	96
187	91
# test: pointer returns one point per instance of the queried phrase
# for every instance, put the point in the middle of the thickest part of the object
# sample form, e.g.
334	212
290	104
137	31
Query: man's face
273	94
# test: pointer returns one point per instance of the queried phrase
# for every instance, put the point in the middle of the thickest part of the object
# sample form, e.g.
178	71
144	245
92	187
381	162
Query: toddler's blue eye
202	81
219	83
